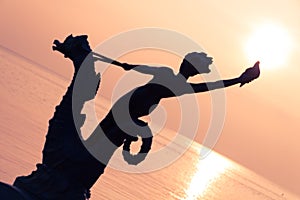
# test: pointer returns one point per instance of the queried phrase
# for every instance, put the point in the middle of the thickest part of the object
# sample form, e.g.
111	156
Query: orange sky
262	125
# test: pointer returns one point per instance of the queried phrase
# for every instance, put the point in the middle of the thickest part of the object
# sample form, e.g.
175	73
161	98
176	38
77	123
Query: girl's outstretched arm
249	75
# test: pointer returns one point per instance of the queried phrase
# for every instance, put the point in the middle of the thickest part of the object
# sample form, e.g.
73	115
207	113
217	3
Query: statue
68	169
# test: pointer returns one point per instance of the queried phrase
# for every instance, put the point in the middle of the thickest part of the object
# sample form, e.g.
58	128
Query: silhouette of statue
68	168
123	118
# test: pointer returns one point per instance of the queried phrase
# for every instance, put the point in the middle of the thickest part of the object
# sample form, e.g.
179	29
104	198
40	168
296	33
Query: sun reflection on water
207	172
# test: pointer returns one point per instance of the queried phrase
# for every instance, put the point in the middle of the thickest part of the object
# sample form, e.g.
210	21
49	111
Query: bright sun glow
270	44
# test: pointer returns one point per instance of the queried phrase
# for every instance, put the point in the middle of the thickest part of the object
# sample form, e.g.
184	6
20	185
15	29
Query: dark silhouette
64	156
123	118
69	168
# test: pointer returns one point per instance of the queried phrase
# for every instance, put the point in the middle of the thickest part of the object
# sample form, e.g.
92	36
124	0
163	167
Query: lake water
28	96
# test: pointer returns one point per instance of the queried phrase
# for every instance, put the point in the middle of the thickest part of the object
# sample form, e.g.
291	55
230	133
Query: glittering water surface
214	177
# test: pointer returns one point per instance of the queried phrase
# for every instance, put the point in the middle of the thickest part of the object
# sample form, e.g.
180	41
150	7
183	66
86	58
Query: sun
270	44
